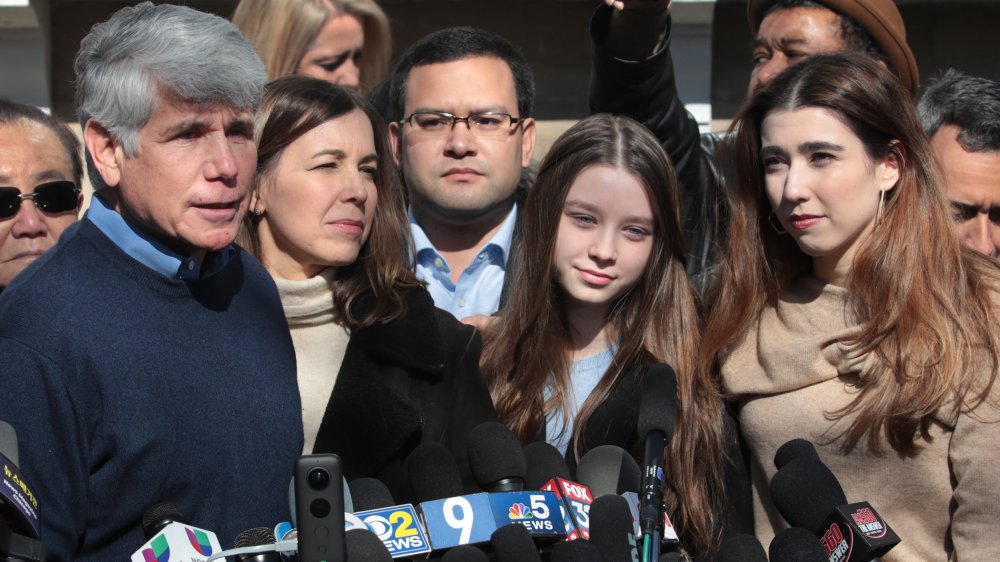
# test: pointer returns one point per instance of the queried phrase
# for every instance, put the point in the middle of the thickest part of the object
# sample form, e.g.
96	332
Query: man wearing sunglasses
146	358
961	115
40	174
459	105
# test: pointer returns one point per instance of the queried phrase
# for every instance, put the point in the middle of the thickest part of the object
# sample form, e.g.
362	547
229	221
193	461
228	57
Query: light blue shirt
148	251
479	286
584	375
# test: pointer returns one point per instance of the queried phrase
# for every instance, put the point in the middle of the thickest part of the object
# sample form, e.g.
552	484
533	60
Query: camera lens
318	479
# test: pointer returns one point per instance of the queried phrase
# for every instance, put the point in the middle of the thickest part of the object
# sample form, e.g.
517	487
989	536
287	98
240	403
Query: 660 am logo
398	528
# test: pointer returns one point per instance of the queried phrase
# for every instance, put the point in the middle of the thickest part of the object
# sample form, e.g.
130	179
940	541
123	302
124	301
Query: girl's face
822	185
319	200
606	233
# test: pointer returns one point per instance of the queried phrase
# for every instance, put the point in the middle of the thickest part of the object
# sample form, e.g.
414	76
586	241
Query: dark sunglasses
51	197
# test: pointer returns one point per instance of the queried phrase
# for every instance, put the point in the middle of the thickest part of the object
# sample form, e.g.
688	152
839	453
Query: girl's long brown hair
656	321
925	304
295	105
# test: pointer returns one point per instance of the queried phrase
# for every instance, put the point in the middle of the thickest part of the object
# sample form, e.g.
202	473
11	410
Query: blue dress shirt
150	252
479	286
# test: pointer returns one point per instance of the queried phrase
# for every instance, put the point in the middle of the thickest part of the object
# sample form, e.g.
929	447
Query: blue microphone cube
398	527
536	511
460	520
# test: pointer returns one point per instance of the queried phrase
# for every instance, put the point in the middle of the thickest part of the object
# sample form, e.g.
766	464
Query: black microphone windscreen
369	493
670	557
258	536
544	462
658	405
805	491
8	442
611	528
363	546
432	473
796	448
464	553
796	544
575	551
608	470
495	456
159	516
741	548
513	543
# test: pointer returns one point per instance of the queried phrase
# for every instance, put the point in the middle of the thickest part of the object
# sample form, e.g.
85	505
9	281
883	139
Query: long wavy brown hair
926	305
529	347
295	105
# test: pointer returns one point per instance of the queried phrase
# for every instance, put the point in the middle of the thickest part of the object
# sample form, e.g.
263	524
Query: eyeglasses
487	125
51	197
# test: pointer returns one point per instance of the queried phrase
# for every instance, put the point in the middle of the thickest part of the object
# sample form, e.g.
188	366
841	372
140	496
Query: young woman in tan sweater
847	313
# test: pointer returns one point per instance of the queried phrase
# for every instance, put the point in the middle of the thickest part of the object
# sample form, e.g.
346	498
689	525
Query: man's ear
527	141
105	152
396	141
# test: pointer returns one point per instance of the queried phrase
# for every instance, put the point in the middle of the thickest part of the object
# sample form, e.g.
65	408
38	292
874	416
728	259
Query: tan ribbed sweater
319	343
790	372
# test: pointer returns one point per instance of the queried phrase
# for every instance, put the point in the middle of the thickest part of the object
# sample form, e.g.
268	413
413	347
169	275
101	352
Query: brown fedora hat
882	20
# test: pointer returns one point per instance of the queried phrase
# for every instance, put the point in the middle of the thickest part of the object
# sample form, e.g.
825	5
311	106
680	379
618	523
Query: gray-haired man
146	358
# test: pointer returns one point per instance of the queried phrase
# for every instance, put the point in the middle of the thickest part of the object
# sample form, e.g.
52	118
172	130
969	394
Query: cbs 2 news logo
398	529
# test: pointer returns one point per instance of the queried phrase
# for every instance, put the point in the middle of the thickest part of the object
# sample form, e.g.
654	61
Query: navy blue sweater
127	388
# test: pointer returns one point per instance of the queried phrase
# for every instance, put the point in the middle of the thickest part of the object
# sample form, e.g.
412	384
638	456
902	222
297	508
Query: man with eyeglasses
460	103
146	358
961	115
40	174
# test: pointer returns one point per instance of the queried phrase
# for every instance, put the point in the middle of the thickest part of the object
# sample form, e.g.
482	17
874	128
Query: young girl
599	294
848	314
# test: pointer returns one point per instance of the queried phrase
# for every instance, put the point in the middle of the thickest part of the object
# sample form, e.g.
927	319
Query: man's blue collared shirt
479	286
148	251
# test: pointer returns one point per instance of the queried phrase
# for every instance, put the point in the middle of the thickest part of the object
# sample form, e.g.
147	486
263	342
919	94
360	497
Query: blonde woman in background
346	42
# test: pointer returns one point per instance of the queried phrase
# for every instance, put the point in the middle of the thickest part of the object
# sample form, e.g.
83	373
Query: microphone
498	466
397	526
513	543
611	529
575	551
608	470
670	557
796	544
170	537
547	471
432	473
258	536
544	463
368	493
496	458
464	553
363	546
19	523
451	519
657	418
808	495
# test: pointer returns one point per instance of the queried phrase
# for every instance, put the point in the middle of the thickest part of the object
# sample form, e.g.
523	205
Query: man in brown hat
633	75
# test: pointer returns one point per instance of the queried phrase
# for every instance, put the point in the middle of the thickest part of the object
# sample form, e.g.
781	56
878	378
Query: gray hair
174	50
968	102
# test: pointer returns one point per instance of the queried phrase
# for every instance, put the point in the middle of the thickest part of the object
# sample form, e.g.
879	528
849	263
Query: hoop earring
881	205
776	226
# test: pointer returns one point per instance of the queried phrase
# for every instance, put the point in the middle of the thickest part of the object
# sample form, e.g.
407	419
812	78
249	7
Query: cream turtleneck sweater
319	343
791	371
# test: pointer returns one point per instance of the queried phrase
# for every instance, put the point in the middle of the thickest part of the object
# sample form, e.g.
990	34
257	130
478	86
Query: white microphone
171	538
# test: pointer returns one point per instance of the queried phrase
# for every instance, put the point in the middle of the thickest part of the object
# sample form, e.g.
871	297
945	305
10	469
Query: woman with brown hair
600	294
346	42
847	313
380	370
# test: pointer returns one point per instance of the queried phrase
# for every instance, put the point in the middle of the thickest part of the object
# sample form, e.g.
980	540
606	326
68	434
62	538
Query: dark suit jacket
403	383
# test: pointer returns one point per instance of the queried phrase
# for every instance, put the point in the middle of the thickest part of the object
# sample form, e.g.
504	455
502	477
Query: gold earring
881	205
776	226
